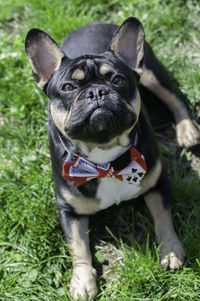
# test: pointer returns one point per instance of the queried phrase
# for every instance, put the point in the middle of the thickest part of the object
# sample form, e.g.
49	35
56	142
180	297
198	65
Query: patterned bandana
129	167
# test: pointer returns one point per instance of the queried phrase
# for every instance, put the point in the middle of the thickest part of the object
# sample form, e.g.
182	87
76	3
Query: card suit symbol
140	174
129	178
135	179
134	170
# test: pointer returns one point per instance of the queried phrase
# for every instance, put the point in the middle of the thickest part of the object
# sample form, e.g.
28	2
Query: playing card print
135	173
79	170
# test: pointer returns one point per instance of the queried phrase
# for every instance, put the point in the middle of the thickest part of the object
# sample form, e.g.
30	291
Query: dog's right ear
44	54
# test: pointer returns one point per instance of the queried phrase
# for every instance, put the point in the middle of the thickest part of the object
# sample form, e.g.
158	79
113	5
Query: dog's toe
172	254
172	261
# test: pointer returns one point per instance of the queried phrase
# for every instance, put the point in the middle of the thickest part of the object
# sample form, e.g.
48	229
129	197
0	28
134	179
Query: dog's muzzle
99	115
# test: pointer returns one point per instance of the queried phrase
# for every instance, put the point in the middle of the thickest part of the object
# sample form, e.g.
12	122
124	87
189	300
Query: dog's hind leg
156	79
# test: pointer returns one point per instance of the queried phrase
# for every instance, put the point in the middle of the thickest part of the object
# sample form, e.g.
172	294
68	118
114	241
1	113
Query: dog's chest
112	191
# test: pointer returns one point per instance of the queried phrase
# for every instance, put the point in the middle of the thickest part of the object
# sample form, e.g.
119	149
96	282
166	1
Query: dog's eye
67	87
118	80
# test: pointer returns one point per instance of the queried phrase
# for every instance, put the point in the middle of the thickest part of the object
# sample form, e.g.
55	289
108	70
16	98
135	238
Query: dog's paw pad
187	134
83	283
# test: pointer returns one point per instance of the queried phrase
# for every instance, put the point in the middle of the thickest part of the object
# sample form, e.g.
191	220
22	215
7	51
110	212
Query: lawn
35	262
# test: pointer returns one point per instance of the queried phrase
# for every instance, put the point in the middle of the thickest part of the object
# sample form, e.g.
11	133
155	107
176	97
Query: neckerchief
129	167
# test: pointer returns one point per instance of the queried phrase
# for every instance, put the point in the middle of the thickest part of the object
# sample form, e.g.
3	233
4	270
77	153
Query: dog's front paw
83	282
172	254
187	133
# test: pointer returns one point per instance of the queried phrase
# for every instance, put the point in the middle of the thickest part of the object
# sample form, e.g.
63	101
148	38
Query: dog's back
94	38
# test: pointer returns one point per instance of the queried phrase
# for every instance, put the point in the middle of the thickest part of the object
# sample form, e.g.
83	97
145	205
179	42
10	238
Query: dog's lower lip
101	110
101	120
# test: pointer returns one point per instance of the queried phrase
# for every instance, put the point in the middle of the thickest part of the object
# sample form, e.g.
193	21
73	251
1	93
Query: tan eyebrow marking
104	69
78	74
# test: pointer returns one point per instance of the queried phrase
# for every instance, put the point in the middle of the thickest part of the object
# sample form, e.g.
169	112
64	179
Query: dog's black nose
96	93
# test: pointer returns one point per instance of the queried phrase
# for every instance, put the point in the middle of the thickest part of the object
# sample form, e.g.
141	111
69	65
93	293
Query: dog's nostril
103	92
90	94
100	93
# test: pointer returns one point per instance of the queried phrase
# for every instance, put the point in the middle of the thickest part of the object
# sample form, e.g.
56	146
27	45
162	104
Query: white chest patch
112	191
98	155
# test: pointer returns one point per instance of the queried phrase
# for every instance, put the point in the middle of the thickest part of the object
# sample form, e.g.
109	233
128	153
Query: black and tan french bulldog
103	149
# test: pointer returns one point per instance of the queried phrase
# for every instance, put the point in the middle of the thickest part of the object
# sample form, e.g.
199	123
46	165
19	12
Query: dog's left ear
44	54
128	43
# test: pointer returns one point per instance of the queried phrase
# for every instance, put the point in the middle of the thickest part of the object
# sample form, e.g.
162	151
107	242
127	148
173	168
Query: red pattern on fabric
101	173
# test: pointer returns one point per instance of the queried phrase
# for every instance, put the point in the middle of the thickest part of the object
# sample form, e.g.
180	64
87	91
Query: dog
103	149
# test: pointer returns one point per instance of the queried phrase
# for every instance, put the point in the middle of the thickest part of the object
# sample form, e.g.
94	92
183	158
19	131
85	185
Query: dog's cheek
135	103
60	116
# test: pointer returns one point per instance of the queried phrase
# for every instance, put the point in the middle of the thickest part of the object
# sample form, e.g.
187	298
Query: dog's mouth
101	120
100	125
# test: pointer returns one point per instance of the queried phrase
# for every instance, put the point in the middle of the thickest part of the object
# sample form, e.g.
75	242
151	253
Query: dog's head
93	98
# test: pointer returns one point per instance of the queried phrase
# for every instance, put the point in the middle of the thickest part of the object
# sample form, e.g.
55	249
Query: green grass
35	263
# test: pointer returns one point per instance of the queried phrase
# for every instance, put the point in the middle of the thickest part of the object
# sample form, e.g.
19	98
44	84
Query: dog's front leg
172	252
156	79
83	282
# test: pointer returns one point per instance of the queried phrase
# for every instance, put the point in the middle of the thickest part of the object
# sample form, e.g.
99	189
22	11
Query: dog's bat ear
44	54
128	43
